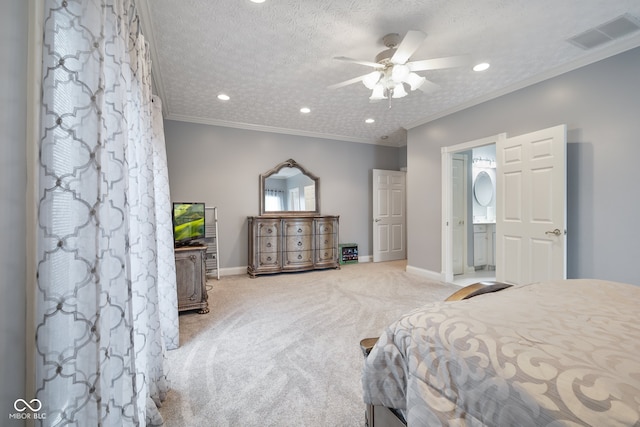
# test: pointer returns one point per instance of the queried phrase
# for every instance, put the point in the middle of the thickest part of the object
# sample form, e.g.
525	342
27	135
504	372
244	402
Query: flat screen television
188	223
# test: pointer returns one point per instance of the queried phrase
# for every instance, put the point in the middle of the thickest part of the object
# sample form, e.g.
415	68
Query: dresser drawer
298	228
268	244
325	227
326	254
268	228
269	259
297	259
297	243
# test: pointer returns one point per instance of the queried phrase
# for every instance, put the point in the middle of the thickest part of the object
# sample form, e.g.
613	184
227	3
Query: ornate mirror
483	188
289	189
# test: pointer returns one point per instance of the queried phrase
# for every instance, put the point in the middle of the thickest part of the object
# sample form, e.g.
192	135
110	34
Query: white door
389	217
294	199
459	212
531	207
310	198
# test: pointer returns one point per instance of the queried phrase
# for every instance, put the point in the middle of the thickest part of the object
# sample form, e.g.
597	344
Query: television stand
189	245
191	278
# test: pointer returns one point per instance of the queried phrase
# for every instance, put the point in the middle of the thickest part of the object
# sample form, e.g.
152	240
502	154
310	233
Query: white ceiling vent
616	28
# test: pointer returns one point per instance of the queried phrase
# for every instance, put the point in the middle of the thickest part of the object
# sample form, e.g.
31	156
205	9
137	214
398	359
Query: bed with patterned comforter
557	353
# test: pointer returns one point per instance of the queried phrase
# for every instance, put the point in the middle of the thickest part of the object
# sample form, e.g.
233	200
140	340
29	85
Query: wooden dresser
280	244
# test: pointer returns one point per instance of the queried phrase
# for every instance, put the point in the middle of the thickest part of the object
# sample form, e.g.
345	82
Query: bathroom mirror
483	188
289	189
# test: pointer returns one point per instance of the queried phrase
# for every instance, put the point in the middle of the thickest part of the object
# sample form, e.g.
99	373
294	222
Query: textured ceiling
276	57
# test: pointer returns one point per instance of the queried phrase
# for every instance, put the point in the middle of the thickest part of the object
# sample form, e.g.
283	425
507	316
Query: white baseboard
427	274
231	271
234	271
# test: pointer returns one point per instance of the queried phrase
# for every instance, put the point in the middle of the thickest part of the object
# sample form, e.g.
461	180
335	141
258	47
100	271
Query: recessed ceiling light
305	110
481	67
257	1
370	121
223	97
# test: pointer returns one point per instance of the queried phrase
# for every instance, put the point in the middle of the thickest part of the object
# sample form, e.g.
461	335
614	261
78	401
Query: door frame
447	208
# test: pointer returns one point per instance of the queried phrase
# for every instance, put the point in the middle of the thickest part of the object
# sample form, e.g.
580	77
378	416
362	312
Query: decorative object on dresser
290	234
191	278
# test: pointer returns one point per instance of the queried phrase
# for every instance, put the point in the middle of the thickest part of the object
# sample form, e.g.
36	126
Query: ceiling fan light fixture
378	92
414	81
371	79
399	73
399	91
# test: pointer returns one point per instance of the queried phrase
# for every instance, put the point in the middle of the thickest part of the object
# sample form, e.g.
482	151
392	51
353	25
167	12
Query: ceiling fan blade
347	82
357	61
408	46
439	63
429	87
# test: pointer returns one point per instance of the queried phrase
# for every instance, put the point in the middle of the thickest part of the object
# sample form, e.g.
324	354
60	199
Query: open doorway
469	203
529	232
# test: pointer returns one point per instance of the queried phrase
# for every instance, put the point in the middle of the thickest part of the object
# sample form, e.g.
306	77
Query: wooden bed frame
381	416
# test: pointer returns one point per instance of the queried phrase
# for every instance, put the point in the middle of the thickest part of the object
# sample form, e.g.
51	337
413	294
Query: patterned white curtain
274	200
105	315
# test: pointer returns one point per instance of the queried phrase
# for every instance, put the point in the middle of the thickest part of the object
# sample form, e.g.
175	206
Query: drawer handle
326	241
299	256
299	230
269	244
269	230
299	243
268	258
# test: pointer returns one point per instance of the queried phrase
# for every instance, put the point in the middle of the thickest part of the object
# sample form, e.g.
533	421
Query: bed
557	353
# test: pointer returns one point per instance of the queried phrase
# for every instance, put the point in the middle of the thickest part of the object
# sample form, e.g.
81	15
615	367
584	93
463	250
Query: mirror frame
288	164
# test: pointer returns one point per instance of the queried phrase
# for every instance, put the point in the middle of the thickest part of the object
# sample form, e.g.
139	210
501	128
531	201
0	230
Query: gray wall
220	166
13	184
600	104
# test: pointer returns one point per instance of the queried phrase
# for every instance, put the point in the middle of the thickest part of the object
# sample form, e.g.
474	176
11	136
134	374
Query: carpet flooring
283	350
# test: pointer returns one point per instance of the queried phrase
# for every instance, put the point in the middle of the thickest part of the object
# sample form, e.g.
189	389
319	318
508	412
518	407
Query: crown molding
271	129
605	53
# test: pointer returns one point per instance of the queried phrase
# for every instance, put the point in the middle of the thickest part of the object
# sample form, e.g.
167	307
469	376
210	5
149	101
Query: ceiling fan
393	71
